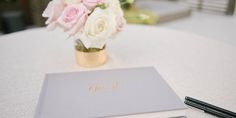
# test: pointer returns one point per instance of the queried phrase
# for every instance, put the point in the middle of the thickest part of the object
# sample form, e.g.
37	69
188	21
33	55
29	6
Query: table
192	65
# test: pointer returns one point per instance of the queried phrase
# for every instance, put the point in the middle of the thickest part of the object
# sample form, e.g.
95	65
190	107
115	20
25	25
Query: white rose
99	27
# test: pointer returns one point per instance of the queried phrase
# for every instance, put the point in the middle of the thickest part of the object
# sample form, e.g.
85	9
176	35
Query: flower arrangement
91	22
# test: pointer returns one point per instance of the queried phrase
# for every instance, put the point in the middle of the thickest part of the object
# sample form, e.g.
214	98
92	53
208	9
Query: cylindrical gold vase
91	59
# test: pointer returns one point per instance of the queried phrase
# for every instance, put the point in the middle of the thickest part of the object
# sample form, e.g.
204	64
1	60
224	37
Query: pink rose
120	23
73	18
91	4
53	11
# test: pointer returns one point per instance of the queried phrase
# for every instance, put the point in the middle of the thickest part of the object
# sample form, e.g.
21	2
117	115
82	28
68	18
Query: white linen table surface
192	65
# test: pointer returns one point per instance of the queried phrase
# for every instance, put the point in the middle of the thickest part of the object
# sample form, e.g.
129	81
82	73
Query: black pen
208	110
210	106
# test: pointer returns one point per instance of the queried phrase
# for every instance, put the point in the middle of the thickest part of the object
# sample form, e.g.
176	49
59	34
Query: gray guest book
119	93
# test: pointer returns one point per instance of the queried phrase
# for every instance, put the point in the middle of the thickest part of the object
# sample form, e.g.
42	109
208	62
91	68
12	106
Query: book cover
120	93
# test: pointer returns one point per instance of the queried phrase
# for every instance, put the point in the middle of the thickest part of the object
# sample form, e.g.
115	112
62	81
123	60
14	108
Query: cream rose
114	5
91	4
100	26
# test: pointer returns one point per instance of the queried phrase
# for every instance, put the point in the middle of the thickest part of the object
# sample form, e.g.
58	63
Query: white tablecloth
192	65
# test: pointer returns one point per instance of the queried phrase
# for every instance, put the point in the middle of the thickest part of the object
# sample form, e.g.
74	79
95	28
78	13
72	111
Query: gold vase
91	57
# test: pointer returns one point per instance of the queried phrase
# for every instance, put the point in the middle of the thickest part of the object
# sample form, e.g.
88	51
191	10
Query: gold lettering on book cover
94	88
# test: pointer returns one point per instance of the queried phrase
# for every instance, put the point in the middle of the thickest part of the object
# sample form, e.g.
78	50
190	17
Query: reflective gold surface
91	59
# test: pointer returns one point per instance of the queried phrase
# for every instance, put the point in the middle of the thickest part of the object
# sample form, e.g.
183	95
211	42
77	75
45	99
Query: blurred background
212	18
